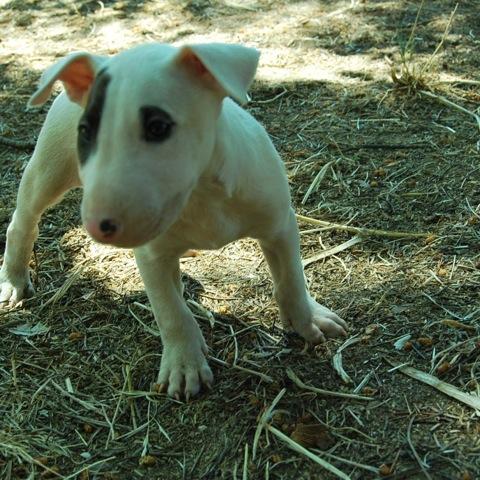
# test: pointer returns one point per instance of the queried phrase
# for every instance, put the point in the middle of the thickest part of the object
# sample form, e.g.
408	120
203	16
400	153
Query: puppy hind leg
297	308
43	183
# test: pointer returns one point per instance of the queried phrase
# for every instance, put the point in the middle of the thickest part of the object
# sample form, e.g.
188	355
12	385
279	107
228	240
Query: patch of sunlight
115	36
284	65
115	268
18	45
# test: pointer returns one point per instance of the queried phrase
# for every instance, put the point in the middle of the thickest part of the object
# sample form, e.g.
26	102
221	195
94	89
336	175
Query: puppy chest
210	228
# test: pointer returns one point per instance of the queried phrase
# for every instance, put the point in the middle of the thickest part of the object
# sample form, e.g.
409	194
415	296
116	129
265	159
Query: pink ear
77	72
198	69
227	68
77	78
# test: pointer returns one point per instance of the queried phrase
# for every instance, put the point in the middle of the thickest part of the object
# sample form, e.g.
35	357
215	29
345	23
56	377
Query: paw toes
175	384
340	321
192	384
313	335
330	328
162	387
162	378
11	295
184	379
206	375
322	323
5	295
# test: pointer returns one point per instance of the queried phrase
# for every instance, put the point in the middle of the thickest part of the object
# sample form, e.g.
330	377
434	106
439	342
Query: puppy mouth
155	224
155	229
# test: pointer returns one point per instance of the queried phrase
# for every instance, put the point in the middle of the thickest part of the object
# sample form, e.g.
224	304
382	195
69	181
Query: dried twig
369	468
363	232
28	458
446	388
316	181
414	451
245	463
337	359
264	419
88	467
84	404
325	393
440	44
384	146
61	292
263	376
298	448
20	144
269	100
449	103
332	251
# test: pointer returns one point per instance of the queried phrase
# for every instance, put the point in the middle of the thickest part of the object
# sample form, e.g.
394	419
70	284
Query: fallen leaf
458	325
224	310
372	328
385	470
147	461
425	341
369	391
312	435
443	368
27	330
400	343
87	428
75	336
84	475
379	172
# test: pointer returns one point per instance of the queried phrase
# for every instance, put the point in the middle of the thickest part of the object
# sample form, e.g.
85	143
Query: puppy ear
76	71
228	68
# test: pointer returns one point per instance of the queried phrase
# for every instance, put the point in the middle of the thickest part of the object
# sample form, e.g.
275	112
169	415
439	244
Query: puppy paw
14	288
321	323
184	368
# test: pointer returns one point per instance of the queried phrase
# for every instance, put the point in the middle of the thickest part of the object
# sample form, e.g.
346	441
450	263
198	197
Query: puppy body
167	163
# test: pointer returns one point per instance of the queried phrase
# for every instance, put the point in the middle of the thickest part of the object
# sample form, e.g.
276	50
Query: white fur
218	178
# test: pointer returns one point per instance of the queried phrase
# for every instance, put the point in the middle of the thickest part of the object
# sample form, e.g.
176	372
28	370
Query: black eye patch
90	121
156	124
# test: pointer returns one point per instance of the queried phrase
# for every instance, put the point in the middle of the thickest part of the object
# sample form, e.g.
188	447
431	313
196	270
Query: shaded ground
80	395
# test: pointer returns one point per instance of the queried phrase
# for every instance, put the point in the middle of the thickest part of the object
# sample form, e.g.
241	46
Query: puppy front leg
46	178
297	308
183	367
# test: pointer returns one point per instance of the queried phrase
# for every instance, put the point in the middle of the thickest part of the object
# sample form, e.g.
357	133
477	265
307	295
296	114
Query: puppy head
148	129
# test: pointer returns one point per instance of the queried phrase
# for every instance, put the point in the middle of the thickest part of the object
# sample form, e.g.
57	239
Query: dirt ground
363	148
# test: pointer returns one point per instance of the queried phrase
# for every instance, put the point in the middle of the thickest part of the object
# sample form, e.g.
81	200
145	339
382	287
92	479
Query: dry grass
78	361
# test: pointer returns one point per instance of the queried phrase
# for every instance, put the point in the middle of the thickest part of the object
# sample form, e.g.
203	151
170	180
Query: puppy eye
157	130
157	125
85	131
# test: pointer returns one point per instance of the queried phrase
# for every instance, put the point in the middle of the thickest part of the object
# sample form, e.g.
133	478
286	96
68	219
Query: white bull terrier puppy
167	163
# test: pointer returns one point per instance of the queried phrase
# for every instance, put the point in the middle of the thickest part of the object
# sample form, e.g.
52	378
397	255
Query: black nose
108	227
